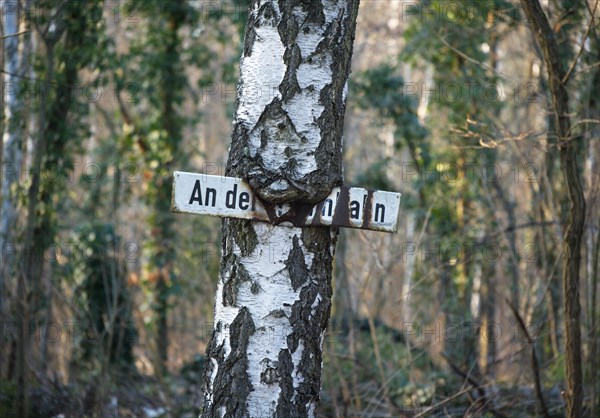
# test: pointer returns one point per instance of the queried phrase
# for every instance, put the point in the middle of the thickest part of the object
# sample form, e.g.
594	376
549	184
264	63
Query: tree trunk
30	272
594	133
274	294
489	330
163	235
573	235
12	132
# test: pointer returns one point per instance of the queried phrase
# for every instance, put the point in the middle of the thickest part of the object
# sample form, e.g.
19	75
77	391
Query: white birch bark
274	293
14	127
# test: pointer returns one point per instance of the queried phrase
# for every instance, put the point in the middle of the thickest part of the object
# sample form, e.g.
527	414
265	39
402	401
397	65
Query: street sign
230	197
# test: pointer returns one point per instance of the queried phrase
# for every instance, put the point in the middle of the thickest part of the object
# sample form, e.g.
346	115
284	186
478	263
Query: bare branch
567	76
14	34
534	360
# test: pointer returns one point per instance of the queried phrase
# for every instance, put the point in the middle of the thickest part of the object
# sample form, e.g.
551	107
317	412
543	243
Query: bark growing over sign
274	294
287	140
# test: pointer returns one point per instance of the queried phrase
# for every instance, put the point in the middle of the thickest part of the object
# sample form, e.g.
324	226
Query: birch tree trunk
274	294
13	131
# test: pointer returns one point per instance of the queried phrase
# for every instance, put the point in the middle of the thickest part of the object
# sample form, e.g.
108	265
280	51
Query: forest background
449	103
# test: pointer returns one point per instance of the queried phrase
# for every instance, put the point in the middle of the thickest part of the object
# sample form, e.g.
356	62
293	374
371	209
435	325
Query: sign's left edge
174	208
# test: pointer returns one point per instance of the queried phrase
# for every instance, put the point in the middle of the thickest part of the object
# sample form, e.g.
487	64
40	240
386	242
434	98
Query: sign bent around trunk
230	197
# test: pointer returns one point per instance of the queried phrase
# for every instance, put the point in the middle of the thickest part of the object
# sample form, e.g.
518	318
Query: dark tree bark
274	294
574	232
593	112
163	232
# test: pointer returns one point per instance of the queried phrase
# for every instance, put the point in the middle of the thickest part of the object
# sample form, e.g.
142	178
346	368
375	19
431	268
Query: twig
587	68
445	401
3	37
534	361
475	385
567	76
386	394
583	122
473	60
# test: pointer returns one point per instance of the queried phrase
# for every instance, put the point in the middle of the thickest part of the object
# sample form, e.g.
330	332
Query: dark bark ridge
296	265
231	385
274	125
244	235
309	319
233	272
236	274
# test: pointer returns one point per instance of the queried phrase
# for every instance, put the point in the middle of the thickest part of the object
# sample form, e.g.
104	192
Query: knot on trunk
282	166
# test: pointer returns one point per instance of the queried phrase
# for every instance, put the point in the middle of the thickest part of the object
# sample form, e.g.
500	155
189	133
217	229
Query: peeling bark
274	294
291	99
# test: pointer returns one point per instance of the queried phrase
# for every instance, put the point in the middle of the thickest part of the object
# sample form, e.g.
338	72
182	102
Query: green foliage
401	369
155	66
104	303
8	395
158	66
75	44
459	48
461	116
382	90
375	176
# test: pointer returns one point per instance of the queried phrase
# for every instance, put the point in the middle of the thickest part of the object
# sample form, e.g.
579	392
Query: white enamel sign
229	197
